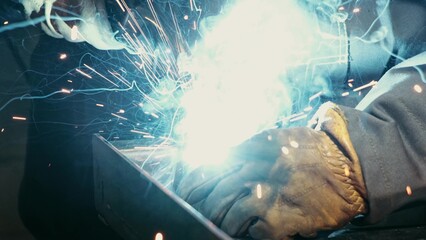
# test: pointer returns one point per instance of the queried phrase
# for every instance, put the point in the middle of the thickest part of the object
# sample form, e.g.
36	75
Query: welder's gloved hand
74	20
286	182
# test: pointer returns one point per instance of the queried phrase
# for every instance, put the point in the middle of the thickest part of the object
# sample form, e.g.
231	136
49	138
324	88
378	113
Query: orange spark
409	191
63	56
418	88
121	6
19	118
83	73
65	91
371	84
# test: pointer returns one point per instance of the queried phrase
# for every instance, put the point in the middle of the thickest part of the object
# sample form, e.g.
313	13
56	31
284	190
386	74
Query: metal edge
187	207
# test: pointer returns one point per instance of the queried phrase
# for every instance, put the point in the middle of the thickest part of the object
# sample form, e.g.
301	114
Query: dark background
13	139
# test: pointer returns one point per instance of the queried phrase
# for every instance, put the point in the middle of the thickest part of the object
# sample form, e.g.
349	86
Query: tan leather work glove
286	182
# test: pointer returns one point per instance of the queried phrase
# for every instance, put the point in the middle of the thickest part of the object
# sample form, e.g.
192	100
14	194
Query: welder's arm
284	182
74	20
388	131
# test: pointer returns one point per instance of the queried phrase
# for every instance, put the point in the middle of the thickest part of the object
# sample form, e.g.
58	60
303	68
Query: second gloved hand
75	20
289	182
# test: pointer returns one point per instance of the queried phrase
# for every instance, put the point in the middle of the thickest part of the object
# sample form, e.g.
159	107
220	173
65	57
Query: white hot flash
239	73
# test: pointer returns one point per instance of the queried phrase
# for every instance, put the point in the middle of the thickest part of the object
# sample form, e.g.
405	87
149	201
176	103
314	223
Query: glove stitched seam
352	196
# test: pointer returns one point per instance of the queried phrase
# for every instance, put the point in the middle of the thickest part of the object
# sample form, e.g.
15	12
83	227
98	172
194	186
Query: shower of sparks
233	82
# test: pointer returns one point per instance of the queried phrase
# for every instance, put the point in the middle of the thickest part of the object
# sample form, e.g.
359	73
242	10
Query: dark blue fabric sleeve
388	131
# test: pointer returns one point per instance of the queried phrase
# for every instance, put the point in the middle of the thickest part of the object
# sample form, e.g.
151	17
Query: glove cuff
331	120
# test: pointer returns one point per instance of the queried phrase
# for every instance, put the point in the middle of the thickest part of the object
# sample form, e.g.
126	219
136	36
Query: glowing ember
121	5
259	191
159	236
418	88
285	150
65	91
118	116
63	56
294	144
83	73
371	84
408	190
19	118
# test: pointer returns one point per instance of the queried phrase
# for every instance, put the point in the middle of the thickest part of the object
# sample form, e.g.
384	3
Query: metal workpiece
137	206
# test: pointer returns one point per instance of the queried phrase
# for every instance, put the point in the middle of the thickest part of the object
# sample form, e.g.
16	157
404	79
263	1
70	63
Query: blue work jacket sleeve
388	131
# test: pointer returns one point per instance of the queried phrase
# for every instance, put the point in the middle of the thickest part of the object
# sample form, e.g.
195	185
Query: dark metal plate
136	206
